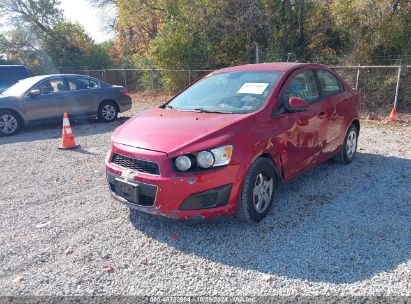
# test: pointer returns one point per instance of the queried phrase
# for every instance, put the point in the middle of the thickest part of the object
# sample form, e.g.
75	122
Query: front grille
136	164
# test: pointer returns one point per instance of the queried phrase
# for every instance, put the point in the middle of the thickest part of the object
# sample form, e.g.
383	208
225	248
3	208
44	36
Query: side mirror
34	93
296	104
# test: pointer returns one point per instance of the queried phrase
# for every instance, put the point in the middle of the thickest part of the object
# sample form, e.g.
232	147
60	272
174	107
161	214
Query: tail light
124	91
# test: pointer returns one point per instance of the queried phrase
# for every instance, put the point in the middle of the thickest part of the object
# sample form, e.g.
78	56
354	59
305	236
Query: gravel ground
337	230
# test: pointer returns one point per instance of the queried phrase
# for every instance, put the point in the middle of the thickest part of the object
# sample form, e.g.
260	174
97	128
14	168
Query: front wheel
256	196
349	147
107	111
9	123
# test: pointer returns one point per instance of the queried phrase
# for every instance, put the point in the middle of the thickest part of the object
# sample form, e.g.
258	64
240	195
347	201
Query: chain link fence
145	79
381	87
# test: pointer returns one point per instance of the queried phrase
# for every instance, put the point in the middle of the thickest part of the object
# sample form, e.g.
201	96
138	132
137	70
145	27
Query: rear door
333	97
84	97
303	132
50	104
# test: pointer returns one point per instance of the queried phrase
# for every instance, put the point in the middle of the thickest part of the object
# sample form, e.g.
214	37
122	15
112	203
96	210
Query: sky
91	17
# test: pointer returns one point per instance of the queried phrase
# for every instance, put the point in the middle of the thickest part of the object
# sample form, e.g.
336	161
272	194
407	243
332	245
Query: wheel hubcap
351	144
8	124
262	192
108	112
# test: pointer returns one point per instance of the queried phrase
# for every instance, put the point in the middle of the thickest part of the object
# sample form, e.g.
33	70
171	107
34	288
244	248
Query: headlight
222	155
183	163
217	157
205	159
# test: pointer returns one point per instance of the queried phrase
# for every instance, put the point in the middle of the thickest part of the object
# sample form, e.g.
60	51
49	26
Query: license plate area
127	190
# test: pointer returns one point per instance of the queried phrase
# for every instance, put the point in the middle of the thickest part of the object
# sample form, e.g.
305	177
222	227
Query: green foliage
225	32
69	45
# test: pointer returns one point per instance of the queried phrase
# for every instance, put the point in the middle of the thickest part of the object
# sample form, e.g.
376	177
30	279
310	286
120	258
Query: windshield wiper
202	110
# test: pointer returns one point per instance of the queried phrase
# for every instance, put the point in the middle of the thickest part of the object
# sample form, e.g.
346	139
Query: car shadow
335	224
52	130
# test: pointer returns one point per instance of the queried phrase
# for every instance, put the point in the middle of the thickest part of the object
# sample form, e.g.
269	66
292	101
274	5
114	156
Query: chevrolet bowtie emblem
128	175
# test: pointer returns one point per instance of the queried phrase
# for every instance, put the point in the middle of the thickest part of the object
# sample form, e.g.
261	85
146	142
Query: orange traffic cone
393	115
67	137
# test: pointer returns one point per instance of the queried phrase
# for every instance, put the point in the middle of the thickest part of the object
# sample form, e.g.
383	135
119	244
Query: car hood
5	98
170	131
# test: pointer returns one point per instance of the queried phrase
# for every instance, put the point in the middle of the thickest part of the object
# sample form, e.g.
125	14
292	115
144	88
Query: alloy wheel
351	144
108	112
262	192
8	124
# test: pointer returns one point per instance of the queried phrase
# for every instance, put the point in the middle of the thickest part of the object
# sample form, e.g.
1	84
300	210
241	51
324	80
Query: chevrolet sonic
219	148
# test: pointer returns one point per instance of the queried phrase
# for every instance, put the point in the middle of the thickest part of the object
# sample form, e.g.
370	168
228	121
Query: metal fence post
152	79
358	77
257	54
397	88
125	77
189	76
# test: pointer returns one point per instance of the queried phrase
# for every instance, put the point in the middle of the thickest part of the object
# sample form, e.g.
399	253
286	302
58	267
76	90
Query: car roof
63	75
41	77
12	66
274	66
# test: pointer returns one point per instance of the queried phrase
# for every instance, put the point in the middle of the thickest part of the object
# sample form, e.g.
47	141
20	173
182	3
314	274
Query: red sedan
219	148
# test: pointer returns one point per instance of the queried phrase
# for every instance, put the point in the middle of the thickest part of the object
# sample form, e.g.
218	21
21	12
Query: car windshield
231	92
21	86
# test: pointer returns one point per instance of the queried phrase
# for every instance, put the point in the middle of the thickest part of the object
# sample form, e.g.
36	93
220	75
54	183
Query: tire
349	146
10	123
262	173
107	111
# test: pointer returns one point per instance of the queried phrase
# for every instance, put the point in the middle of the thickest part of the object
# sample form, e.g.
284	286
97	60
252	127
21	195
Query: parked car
220	147
46	98
10	74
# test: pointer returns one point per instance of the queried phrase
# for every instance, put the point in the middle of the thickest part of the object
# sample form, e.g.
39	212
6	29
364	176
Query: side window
329	84
303	86
52	86
81	84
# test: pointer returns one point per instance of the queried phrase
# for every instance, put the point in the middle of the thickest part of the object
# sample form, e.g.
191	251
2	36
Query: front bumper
216	190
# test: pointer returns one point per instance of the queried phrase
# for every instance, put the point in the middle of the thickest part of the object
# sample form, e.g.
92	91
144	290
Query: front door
303	133
50	104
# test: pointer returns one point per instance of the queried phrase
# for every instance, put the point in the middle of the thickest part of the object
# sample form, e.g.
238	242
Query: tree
43	40
375	28
225	32
42	15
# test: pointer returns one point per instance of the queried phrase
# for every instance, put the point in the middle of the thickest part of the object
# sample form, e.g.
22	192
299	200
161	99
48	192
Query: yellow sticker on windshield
253	88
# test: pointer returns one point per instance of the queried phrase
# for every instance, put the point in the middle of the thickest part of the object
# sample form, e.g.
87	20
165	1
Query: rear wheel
256	196
349	147
9	123
108	111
